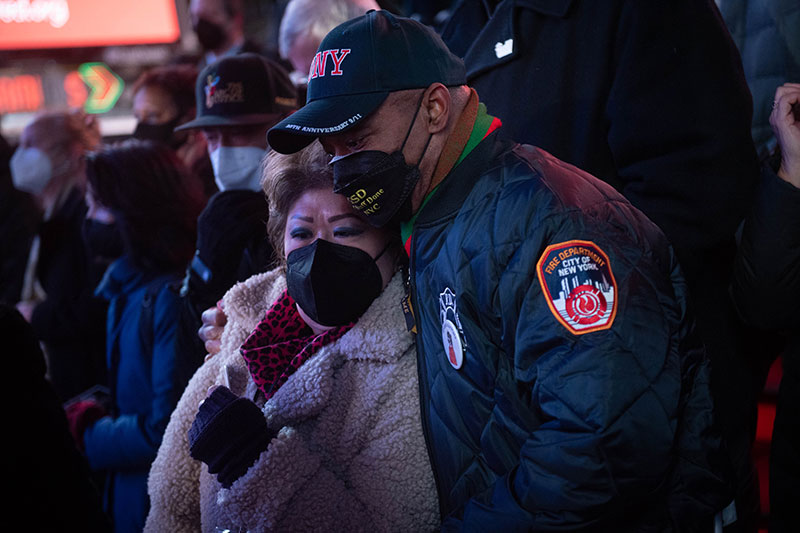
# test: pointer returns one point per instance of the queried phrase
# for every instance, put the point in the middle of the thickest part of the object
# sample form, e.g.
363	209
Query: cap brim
325	116
208	121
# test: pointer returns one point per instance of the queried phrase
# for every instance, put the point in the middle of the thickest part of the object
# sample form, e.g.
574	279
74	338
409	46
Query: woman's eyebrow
334	218
304	219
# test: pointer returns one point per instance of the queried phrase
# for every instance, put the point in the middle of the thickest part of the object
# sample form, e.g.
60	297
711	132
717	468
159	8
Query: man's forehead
362	127
379	121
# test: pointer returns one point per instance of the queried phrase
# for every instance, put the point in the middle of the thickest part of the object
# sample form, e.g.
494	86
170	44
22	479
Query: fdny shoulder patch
579	286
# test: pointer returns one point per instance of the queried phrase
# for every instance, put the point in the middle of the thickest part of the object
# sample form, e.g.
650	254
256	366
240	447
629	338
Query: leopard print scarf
281	343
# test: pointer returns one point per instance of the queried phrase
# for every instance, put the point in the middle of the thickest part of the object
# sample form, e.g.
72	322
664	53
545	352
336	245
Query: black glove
230	221
228	434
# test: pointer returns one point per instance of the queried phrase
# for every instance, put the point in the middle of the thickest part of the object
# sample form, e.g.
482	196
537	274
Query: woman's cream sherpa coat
349	455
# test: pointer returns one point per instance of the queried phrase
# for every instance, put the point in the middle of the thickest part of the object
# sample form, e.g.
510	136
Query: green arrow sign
105	87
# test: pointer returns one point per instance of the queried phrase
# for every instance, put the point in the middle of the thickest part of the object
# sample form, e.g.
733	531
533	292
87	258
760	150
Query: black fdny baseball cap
242	89
356	66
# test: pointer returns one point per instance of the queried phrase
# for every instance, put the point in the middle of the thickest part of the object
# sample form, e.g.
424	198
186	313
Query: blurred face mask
210	34
31	170
237	167
162	133
102	239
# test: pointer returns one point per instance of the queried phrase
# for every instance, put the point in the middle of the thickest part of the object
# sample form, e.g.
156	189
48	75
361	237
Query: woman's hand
785	120
214	320
228	434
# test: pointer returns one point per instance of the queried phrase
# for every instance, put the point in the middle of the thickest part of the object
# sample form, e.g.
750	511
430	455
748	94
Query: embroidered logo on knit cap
242	89
578	285
232	92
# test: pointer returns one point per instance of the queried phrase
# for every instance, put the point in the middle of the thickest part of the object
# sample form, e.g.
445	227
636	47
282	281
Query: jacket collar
496	43
447	200
247	302
120	277
376	337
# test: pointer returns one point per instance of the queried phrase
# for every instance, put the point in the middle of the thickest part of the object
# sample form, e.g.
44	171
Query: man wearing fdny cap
238	99
561	385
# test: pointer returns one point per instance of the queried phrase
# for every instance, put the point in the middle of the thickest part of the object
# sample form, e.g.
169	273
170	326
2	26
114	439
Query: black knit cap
356	66
242	89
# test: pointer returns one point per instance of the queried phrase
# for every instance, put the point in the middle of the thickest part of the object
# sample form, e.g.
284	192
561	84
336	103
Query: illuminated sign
92	86
33	24
22	93
105	87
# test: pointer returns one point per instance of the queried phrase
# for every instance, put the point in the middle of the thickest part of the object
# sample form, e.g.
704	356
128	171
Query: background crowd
127	264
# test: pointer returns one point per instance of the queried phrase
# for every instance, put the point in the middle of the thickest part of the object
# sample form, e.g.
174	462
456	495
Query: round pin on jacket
453	347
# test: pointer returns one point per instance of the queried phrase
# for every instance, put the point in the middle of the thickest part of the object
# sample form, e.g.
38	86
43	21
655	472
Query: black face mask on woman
379	184
333	284
102	240
161	133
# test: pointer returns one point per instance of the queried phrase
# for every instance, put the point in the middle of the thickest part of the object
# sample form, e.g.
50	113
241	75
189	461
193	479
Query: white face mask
237	167
31	170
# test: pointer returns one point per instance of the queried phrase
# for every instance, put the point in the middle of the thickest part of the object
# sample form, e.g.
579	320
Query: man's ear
437	104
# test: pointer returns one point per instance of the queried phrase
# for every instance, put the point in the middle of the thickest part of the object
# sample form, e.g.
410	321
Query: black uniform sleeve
766	279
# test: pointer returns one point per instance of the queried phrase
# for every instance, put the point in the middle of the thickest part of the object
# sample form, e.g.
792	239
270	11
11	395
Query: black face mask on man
210	34
378	184
333	284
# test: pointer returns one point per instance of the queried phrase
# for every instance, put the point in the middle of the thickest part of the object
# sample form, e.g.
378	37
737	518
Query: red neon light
30	24
19	94
75	89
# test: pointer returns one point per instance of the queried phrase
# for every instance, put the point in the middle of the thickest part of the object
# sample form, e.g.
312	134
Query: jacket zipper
422	377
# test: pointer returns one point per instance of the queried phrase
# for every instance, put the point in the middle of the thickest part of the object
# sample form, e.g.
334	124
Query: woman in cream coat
348	452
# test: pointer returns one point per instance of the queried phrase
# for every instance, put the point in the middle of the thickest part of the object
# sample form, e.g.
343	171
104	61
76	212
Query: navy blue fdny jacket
562	387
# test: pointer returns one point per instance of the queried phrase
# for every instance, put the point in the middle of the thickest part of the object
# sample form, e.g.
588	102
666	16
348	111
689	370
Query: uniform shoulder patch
579	286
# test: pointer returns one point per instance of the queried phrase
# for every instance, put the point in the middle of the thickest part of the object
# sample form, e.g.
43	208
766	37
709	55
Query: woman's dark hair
154	199
178	81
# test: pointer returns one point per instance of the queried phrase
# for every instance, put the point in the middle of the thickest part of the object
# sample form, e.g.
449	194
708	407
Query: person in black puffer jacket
766	288
767	34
